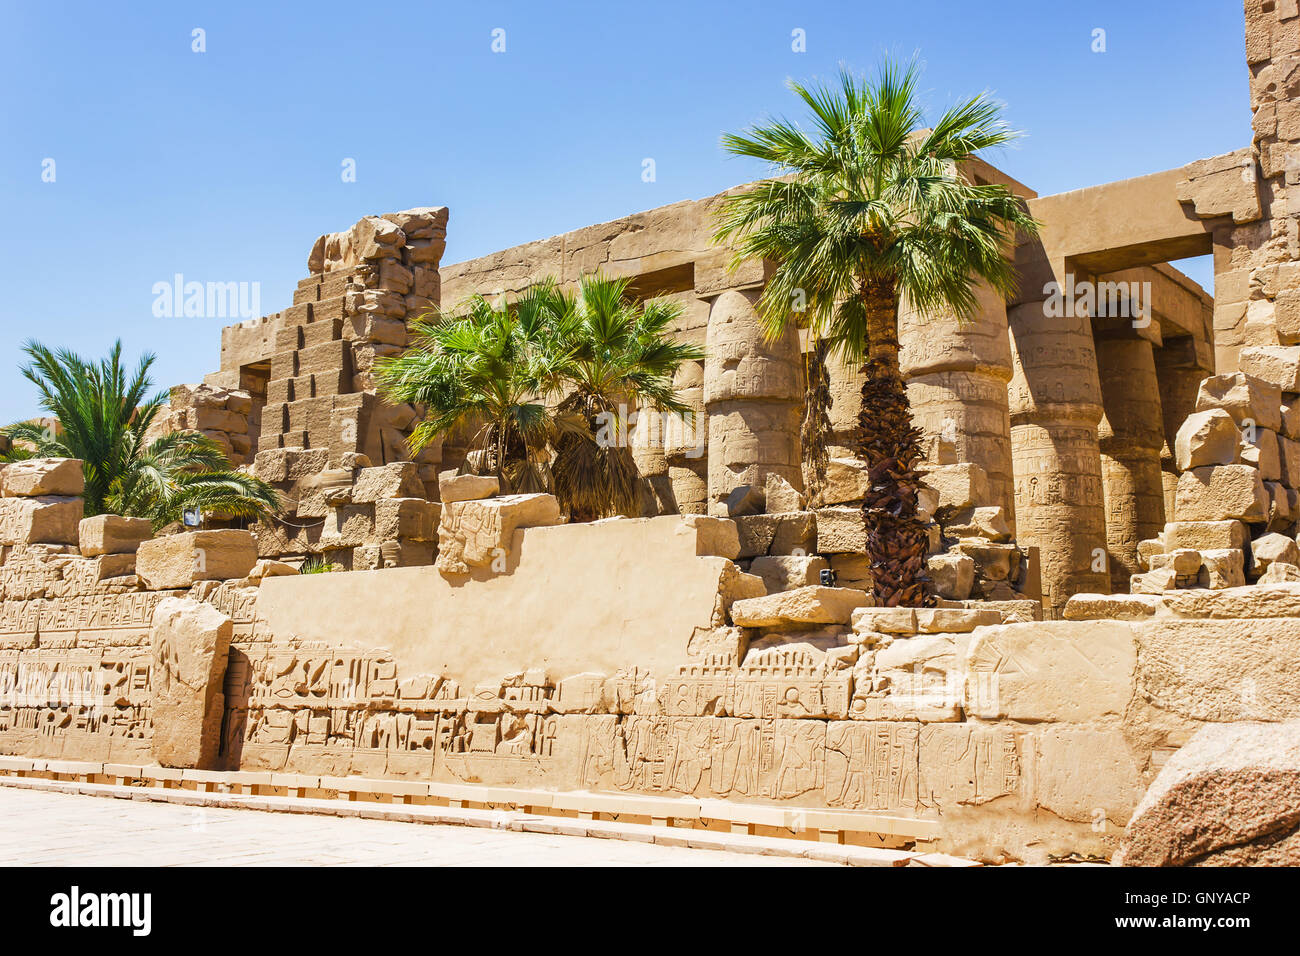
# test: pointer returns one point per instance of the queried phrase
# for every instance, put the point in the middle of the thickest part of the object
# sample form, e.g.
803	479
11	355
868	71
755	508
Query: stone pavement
43	828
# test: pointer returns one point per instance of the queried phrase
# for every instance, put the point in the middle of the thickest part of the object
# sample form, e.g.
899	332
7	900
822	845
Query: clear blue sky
225	165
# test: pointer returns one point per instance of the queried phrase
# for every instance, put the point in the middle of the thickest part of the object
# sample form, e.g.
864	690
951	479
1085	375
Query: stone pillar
1181	365
957	373
753	393
1131	435
671	451
1055	405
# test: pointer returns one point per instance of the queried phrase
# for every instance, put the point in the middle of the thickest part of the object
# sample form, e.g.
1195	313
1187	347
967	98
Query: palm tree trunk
897	541
815	429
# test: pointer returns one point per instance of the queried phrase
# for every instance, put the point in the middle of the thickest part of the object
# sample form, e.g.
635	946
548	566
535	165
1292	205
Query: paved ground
41	828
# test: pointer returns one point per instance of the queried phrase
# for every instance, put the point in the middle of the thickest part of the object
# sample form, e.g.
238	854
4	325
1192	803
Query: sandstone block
807	605
112	534
1246	398
472	533
885	620
781	496
1221	492
454	487
1280	573
289	464
1117	607
47	519
1222	568
756	532
993	562
953	575
951	620
787	572
178	560
841	530
1262	453
190	642
987	522
1155	581
1210	437
1289	455
1205	534
398	479
853	571
41	477
847	479
1275	364
959	486
1273	548
1228	797
412	518
714	536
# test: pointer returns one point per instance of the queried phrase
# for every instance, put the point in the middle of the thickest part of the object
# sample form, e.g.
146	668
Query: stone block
885	620
456	487
398	479
412	518
781	496
43	477
1210	437
1218	492
473	533
960	486
952	575
989	522
112	534
190	642
1275	364
1199	535
853	571
290	464
44	520
1262	454
807	605
795	533
787	572
756	532
1246	398
1222	568
841	530
714	536
847	479
179	560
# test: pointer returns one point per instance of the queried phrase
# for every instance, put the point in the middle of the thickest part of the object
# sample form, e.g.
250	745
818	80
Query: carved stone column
753	393
957	373
1055	405
1131	435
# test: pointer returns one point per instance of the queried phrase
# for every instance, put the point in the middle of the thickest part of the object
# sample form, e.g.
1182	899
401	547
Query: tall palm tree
103	414
873	209
486	369
616	353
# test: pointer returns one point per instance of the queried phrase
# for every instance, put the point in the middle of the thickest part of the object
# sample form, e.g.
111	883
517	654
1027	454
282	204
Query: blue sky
225	165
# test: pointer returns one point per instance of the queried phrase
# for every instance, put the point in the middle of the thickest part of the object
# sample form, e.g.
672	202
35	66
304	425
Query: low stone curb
504	820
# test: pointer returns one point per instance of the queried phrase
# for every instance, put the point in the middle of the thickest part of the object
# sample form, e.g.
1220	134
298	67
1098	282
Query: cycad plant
103	415
872	208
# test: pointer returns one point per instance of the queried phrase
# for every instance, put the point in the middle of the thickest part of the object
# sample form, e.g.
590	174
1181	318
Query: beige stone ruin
1114	496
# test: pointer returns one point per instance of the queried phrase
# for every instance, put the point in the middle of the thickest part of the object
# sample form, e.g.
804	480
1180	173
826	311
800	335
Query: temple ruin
1112	461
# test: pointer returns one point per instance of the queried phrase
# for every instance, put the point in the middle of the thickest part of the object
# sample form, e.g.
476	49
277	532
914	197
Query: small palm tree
486	369
103	414
615	353
873	210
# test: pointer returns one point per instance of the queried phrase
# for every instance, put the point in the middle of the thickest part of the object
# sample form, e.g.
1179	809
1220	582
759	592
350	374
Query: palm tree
616	353
103	414
873	210
486	370
492	368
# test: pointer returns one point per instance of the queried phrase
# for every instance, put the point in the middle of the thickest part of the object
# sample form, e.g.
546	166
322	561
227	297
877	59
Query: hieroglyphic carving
963	763
872	765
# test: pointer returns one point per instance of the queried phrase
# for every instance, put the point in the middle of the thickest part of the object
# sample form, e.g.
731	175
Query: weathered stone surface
1210	437
994	562
987	522
1198	535
841	530
806	605
455	487
795	533
1155	581
290	464
112	534
781	496
847	479
411	518
1221	492
472	533
1230	796
1069	756
714	536
1280	573
1273	548
744	500
39	477
178	560
953	575
853	571
44	520
398	479
1247	399
787	572
1075	671
265	568
1118	607
190	642
756	532
1277	365
960	486
1222	568
885	620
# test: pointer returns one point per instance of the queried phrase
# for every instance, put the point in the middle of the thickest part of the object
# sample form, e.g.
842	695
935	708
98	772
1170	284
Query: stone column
1181	364
957	373
1131	435
1055	405
753	393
